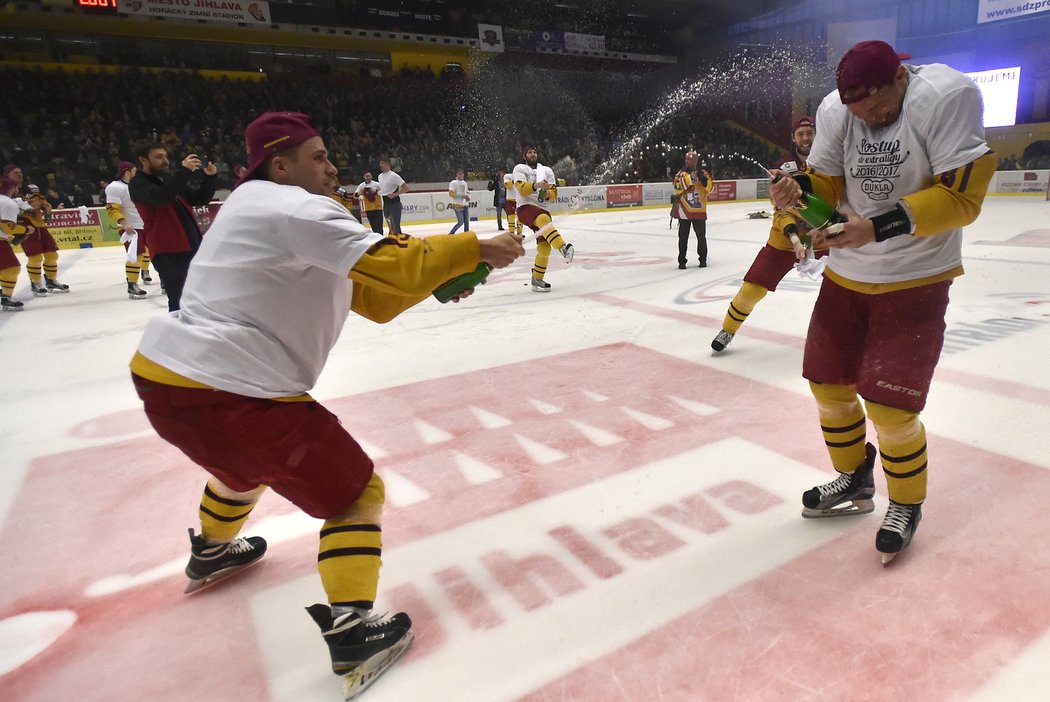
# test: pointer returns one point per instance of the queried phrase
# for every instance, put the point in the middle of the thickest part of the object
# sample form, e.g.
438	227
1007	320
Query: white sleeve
360	188
113	195
954	132
324	234
8	210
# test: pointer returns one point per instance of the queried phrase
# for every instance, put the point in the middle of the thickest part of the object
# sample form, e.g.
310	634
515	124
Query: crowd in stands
64	136
69	131
1013	162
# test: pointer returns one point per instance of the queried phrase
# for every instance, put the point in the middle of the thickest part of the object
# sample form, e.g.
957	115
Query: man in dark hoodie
165	198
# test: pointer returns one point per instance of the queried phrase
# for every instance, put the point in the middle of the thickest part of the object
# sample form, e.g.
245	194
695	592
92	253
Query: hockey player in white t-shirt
122	210
226	377
536	186
901	150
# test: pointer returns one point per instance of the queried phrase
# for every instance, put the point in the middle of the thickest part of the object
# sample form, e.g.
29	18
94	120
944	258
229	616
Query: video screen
999	89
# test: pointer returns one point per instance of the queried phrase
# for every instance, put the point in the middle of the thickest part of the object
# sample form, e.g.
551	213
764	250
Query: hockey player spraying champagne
790	244
900	151
535	187
225	378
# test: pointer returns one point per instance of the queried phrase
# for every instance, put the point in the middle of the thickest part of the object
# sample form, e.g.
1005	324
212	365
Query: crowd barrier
72	230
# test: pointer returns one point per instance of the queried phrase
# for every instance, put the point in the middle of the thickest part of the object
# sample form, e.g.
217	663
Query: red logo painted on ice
656	486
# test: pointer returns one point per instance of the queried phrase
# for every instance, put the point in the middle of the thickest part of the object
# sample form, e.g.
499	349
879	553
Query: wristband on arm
890	224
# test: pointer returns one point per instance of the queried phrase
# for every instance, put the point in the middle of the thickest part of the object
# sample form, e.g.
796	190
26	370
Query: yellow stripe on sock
221	517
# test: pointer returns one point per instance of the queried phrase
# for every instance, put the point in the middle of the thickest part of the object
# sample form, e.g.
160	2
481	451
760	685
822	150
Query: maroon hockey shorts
7	256
140	247
298	449
510	206
887	344
39	242
527	215
771	265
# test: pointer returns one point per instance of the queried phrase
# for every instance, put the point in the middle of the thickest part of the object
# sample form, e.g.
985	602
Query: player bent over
225	378
904	146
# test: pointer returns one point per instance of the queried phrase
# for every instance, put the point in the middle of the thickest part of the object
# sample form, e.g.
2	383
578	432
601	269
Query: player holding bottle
536	186
903	146
786	245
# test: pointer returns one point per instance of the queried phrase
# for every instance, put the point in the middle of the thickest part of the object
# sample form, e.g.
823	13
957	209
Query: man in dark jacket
499	196
165	199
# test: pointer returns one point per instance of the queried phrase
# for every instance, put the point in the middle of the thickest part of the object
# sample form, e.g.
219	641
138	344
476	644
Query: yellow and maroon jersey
41	212
691	191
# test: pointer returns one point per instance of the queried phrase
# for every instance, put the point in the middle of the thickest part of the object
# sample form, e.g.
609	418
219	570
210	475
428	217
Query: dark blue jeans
462	219
392	212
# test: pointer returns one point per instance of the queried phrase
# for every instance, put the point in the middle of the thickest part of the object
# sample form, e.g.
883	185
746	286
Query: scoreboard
103	7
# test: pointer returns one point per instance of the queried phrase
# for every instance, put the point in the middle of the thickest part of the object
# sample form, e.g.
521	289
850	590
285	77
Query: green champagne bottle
447	291
817	213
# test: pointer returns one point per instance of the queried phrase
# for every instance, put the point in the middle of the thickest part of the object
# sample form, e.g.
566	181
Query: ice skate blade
194	586
362	677
857	507
887	558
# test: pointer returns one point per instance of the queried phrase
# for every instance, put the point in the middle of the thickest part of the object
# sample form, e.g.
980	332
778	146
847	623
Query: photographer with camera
165	199
692	186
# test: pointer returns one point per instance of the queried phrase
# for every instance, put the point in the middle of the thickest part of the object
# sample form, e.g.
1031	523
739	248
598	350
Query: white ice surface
64	362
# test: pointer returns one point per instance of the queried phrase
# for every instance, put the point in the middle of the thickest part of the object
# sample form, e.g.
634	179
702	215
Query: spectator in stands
164	199
56	199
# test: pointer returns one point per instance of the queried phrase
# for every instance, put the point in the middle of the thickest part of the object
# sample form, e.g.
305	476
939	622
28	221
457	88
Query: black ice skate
540	285
848	494
53	286
10	305
721	339
212	563
146	279
567	252
897	529
135	292
362	647
38	290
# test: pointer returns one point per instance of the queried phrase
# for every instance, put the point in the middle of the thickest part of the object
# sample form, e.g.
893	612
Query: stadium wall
89	227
